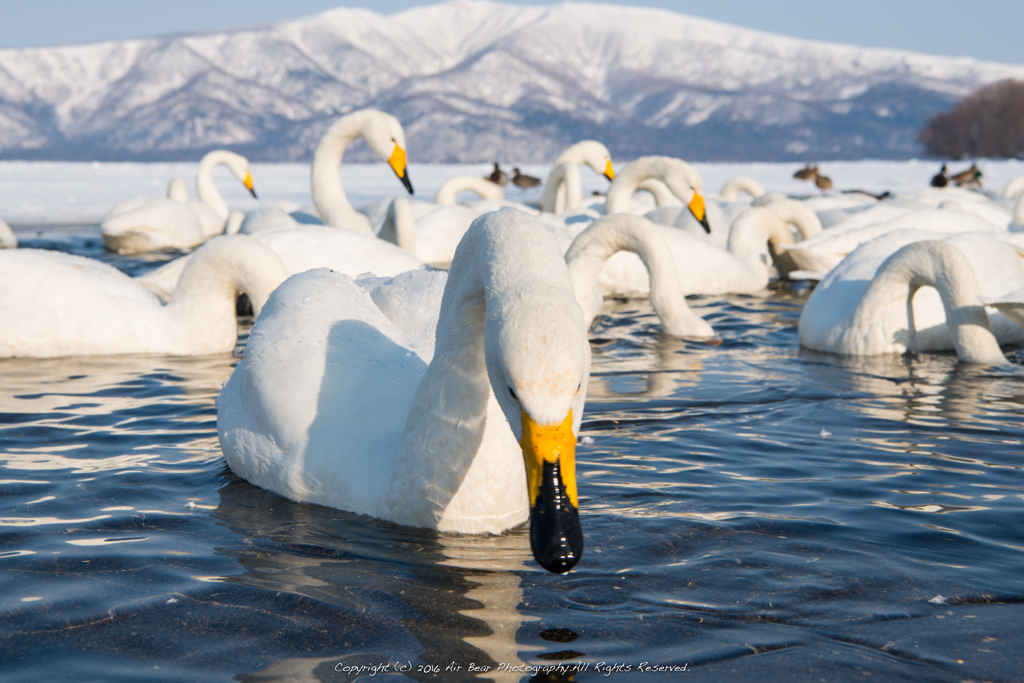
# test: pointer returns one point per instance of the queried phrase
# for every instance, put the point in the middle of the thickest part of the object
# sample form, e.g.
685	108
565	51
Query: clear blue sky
986	29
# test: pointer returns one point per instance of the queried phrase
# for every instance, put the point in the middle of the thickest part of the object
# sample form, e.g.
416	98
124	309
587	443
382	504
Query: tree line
987	123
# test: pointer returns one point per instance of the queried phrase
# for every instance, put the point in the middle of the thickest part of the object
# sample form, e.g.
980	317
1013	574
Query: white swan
384	135
558	196
57	304
704	268
611	234
1013	188
451	188
312	246
731	190
823	252
876	313
138	226
333	405
7	238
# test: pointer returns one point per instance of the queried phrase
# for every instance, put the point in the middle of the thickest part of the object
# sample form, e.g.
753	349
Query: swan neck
328	190
563	190
942	266
751	232
681	178
206	188
399	225
622	232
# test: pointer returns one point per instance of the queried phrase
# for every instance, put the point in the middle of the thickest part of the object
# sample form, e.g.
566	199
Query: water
751	511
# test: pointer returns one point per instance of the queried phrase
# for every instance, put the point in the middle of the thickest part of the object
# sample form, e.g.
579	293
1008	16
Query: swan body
304	248
865	304
138	226
333	404
822	253
558	195
451	188
7	238
63	305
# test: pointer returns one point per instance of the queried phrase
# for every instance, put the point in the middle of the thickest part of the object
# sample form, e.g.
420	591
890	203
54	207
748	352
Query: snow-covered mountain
478	81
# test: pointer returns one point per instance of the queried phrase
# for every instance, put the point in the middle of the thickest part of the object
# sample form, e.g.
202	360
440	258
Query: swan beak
609	172
550	454
397	162
697	209
247	181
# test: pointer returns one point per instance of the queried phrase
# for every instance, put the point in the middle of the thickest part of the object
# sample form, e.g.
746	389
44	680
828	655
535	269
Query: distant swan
57	304
451	188
333	405
558	195
731	190
872	316
138	226
384	135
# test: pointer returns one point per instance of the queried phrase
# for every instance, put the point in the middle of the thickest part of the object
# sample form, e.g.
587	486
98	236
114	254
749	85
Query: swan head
385	136
239	167
538	363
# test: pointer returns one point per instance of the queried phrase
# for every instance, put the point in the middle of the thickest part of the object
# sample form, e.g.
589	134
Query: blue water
752	511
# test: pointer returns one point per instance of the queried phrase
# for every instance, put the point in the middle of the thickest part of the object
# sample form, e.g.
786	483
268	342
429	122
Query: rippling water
752	512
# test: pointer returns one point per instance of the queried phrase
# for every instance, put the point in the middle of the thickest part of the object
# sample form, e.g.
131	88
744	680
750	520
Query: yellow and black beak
609	172
247	181
550	454
697	209
397	162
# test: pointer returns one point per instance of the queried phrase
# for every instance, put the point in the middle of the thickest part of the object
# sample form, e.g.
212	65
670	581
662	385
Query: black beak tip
408	183
556	537
707	226
253	193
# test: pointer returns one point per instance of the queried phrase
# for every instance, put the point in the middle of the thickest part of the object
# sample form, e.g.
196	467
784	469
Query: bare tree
987	123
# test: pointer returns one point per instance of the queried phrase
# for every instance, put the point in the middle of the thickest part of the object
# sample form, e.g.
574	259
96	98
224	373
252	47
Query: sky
985	29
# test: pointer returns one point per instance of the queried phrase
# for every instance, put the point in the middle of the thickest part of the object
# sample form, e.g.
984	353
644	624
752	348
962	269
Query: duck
555	198
808	172
941	179
60	304
971	178
877	300
7	237
139	226
384	135
478	430
823	183
498	177
522	181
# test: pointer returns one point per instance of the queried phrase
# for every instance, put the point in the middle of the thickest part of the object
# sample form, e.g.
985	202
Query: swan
385	136
731	190
817	256
703	268
138	226
451	188
558	197
860	311
609	235
1013	188
680	178
312	246
332	404
7	238
63	305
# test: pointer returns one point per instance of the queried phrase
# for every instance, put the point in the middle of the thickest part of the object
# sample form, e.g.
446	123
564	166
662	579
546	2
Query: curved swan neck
451	188
797	214
206	188
681	178
623	232
399	225
942	266
217	272
328	190
731	190
563	190
751	233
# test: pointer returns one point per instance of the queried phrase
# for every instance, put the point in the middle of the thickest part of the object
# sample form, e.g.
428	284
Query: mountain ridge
478	81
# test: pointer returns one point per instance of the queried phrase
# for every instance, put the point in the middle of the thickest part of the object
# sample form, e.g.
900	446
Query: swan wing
317	407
